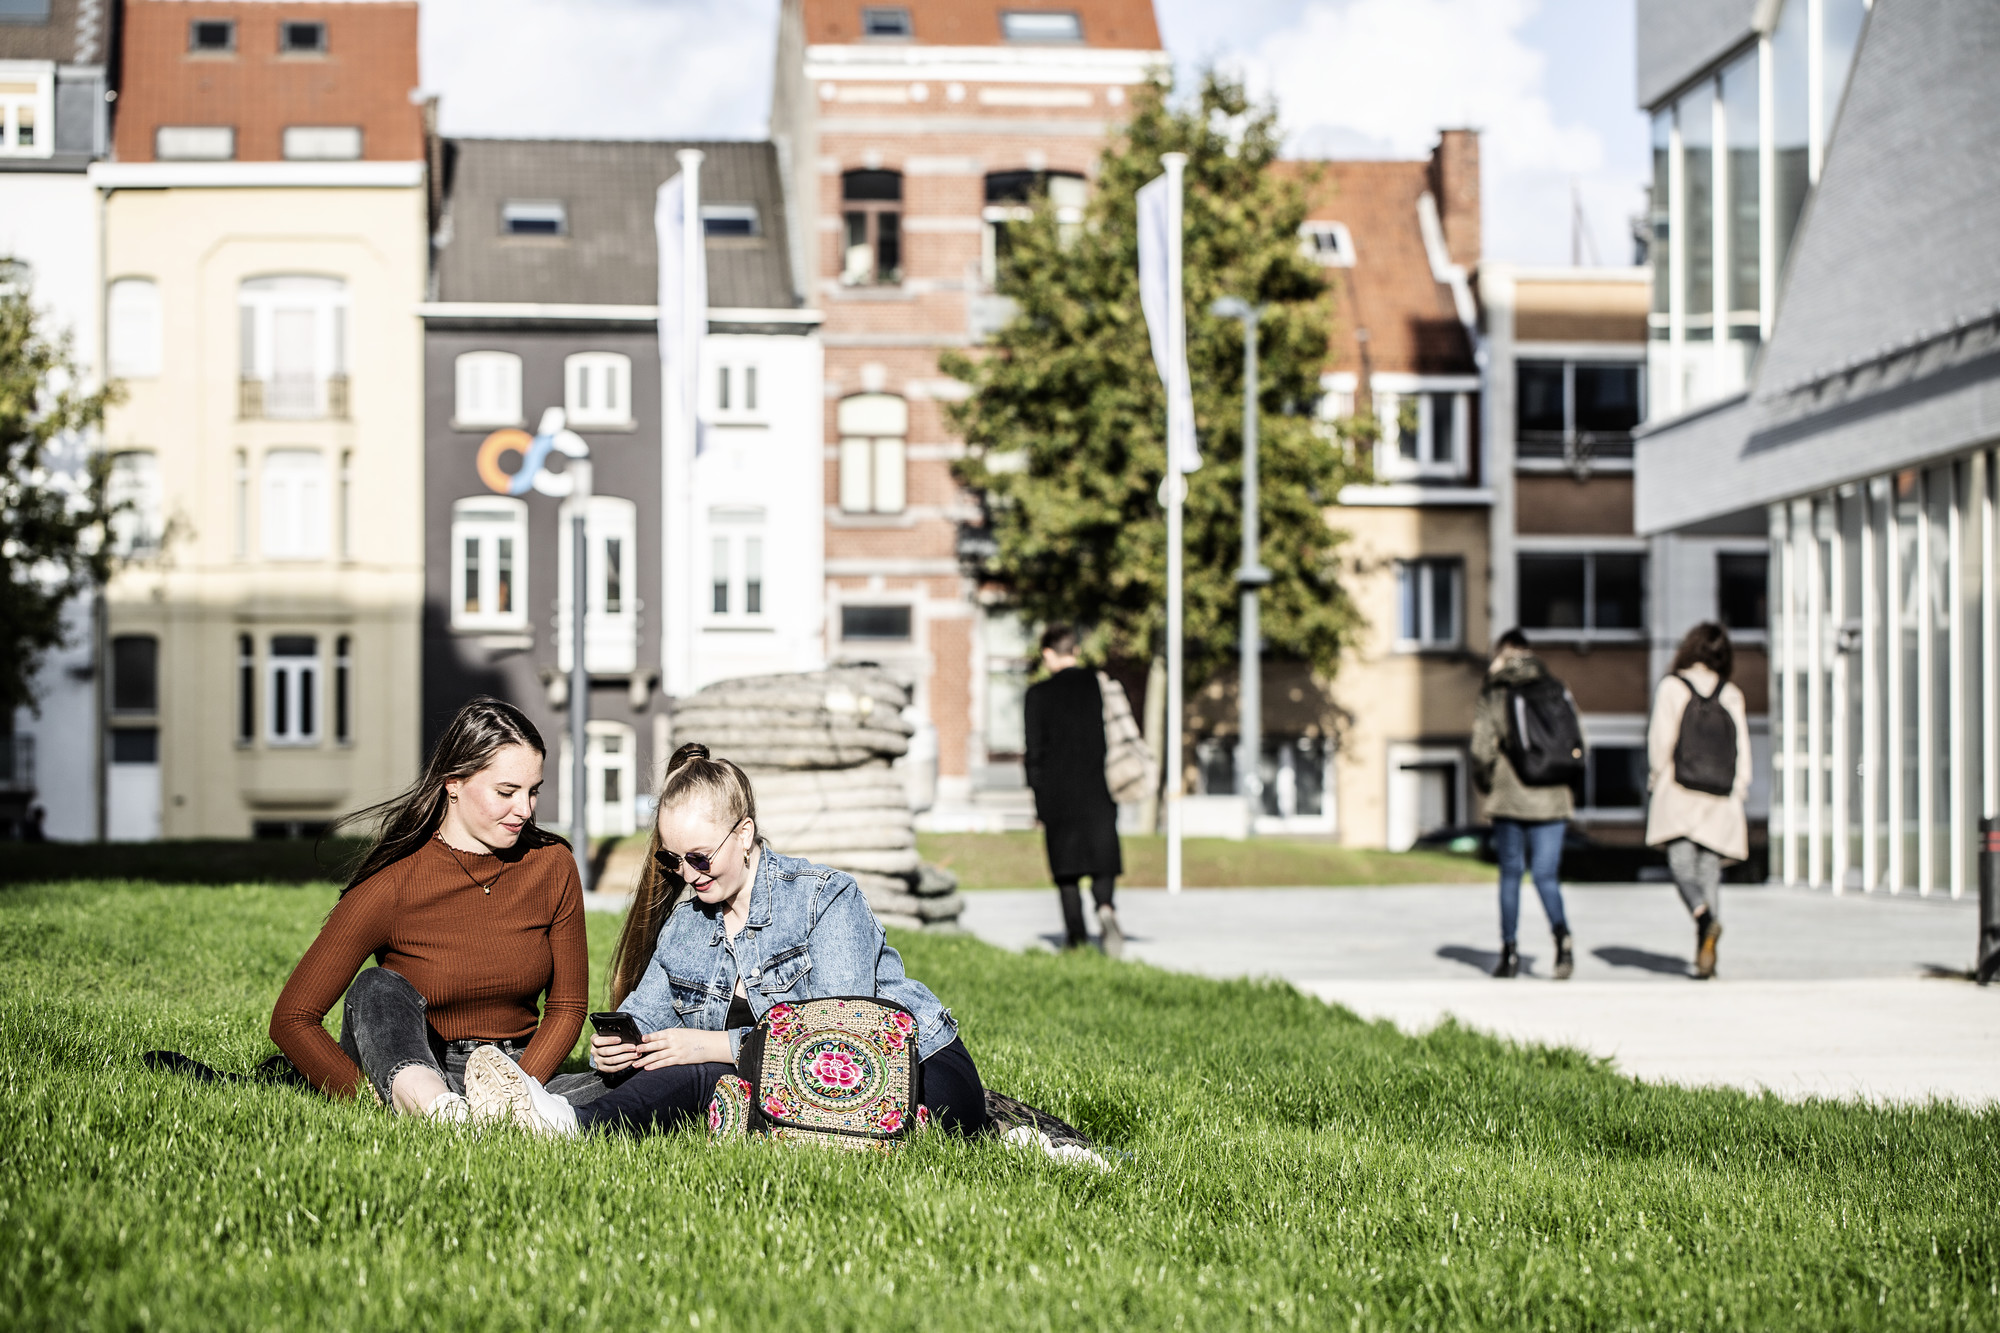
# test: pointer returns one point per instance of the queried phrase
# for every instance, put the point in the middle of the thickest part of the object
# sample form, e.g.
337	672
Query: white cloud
613	69
1380	78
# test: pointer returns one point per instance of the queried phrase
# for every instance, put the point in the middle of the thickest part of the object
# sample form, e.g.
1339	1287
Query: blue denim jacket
809	935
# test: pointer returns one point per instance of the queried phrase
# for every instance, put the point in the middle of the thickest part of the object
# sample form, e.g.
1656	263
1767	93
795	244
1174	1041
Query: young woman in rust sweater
473	915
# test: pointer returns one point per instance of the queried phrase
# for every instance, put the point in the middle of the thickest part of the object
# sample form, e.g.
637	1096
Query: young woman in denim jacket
721	929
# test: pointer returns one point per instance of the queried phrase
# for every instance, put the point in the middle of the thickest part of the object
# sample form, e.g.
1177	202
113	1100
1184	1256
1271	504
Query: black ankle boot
1510	962
1565	957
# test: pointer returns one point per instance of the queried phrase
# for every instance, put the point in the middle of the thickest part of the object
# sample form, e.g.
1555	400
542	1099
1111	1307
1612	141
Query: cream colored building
263	646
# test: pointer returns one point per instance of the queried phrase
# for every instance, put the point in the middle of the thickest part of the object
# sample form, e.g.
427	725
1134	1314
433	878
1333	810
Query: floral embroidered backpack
840	1072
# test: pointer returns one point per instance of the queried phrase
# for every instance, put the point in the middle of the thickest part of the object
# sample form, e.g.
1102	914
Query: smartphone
617	1023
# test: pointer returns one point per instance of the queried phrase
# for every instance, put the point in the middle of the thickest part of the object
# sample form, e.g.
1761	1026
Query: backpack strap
1719	683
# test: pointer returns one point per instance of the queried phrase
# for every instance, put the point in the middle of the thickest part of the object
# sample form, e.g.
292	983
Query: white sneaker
1069	1154
448	1108
499	1089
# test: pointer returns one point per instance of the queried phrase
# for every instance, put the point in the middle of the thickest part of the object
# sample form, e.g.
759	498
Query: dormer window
881	21
302	38
212	36
729	220
534	217
1039	25
1329	243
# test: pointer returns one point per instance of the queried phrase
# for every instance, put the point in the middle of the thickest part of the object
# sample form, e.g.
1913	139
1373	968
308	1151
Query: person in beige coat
1699	829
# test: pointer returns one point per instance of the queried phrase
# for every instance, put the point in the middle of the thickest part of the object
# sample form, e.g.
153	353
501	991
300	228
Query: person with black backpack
1527	757
1698	751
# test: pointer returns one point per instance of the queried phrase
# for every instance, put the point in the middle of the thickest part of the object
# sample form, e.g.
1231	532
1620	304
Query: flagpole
1177	450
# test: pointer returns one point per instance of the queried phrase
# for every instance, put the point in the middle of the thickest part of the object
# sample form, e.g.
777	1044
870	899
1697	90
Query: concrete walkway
1817	995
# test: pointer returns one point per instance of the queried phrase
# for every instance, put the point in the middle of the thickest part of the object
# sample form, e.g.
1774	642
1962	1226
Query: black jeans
1101	889
383	1029
652	1101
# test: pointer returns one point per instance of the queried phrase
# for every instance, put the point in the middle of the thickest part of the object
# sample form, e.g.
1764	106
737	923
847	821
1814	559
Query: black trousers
1101	889
653	1101
383	1029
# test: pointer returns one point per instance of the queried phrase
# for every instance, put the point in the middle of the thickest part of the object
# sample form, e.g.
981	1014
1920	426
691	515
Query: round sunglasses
702	863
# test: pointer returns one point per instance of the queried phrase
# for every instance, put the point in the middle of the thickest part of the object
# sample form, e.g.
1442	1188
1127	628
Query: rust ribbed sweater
479	960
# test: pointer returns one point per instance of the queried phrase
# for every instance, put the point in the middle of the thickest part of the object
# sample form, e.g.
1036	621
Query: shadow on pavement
1619	956
1483	960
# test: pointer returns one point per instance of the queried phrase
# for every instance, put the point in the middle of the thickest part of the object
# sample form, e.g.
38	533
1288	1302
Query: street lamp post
1250	577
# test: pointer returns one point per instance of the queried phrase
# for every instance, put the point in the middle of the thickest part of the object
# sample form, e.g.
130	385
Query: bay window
292	684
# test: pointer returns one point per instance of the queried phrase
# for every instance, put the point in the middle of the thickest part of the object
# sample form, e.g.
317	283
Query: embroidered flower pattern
923	1115
890	1118
897	1030
836	1070
784	1022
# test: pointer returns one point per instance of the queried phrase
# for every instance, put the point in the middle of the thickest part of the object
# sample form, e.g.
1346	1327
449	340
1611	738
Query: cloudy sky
1548	81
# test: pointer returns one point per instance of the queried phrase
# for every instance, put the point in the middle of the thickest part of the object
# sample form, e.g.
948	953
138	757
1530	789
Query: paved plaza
1817	995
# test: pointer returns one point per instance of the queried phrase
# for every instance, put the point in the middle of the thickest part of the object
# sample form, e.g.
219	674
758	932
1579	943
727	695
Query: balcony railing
292	398
17	763
1583	447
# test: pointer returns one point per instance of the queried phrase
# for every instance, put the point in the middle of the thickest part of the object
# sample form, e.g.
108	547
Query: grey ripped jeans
383	1029
1697	874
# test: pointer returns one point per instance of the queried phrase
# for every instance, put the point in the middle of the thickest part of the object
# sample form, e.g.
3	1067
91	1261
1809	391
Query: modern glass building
1863	421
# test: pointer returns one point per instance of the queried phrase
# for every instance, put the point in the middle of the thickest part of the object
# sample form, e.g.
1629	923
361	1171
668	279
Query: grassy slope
1017	861
1289	1167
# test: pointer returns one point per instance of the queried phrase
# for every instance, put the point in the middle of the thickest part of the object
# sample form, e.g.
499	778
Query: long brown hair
1707	644
405	822
691	776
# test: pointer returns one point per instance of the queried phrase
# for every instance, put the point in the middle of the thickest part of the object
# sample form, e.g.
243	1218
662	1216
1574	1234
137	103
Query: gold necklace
487	886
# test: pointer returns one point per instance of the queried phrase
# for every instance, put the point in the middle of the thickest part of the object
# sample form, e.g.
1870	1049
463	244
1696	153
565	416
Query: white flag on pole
1158	302
679	289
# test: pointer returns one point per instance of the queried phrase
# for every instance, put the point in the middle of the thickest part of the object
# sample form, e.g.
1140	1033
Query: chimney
1454	181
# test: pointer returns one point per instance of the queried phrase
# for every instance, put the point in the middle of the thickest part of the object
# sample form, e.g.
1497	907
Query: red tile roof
1410	322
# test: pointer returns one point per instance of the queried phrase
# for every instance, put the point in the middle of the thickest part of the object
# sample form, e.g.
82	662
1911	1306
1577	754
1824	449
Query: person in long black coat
1065	763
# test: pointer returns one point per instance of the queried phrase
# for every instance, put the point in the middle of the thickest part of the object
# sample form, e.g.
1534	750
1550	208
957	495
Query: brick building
264	253
911	133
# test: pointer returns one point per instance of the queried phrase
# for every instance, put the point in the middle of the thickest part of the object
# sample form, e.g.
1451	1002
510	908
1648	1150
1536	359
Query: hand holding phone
619	1025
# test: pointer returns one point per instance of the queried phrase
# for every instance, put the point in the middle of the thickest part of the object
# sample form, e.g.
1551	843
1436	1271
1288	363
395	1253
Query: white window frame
132	328
597	390
322	143
135	481
1405	761
1018	25
602	819
324	300
1624	731
874	453
737	392
1589	547
1388	392
536	213
1424	573
737	550
195	143
1328	243
611	638
486	389
30	86
295	499
293	681
487	521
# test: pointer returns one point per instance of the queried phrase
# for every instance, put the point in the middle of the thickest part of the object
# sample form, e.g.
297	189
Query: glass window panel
875	622
1551	591
890	483
1938	487
1697	122
1742	589
888	247
1607	398
1615	777
1791	125
718	574
1663	124
1444	602
135	673
1538	400
753	576
470	601
1444	424
1908	626
503	583
614	574
1840	32
1618	600
1409	578
857	489
1744	177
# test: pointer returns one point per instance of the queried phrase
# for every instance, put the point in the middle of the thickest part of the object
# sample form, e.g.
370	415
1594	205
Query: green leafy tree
54	520
1066	424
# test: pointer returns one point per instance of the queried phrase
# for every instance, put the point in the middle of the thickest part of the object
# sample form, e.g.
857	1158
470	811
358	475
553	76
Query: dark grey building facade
544	284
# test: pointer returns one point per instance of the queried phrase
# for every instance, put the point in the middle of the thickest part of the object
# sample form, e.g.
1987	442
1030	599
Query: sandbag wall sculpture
818	747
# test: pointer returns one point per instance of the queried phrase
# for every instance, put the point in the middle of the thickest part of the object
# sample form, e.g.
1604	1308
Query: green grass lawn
1017	861
1282	1165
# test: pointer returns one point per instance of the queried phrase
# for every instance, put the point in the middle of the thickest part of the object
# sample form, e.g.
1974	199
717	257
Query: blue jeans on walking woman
1537	847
